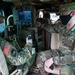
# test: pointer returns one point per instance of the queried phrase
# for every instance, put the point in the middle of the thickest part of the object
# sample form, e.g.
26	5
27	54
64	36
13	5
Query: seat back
3	64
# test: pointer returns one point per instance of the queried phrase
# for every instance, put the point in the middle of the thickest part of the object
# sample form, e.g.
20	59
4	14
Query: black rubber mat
32	73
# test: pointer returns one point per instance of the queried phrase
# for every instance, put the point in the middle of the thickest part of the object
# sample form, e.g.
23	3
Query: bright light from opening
40	14
53	17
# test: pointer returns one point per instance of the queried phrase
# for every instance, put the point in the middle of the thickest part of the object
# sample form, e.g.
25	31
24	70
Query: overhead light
9	0
44	0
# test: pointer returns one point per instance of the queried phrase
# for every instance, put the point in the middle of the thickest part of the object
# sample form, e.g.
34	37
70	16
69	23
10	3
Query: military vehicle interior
23	22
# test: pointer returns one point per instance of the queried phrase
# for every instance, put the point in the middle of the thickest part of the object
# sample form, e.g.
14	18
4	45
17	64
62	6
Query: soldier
62	53
63	63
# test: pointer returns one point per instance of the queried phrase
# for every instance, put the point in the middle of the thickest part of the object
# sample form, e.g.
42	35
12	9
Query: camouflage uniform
65	55
25	56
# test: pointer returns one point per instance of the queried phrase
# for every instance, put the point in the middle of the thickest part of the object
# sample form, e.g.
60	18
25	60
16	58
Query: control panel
23	15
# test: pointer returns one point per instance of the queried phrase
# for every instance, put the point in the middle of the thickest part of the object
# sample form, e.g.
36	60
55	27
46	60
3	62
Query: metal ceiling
49	4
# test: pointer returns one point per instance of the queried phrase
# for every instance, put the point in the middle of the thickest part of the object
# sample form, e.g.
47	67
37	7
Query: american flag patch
6	49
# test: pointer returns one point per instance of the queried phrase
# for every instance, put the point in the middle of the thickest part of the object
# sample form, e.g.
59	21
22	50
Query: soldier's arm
13	56
65	59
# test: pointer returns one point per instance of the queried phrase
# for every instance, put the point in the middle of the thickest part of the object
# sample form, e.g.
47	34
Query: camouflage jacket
25	56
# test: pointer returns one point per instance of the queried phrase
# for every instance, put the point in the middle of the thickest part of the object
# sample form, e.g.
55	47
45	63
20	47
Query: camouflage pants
43	56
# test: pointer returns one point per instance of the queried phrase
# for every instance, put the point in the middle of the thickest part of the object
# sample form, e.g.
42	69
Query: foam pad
55	41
